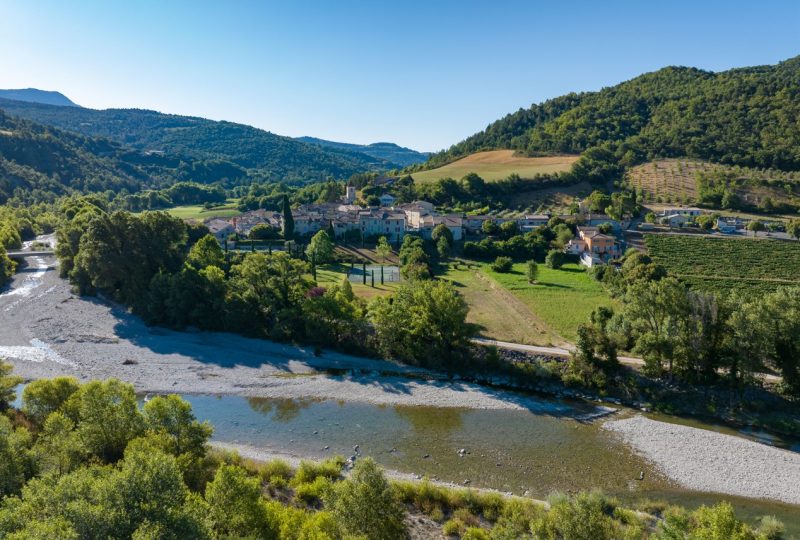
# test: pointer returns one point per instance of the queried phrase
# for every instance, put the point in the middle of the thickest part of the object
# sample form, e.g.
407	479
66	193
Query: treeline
86	461
688	335
738	117
176	275
18	224
182	193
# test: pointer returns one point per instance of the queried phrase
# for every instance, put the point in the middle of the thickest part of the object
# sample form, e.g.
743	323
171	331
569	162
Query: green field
197	212
497	165
563	298
725	264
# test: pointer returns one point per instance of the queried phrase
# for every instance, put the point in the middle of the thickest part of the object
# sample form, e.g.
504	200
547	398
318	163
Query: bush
308	471
502	265
276	471
555	259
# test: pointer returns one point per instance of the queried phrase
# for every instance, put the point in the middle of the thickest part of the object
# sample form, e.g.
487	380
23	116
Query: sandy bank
709	461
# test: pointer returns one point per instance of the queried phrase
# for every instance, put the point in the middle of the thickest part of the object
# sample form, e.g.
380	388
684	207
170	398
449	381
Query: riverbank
47	331
707	461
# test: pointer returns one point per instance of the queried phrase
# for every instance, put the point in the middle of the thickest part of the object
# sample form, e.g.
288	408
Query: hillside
264	154
496	165
35	95
39	162
386	151
746	116
675	181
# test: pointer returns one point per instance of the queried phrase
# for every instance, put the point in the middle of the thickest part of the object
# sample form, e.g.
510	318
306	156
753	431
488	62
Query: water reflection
432	422
285	410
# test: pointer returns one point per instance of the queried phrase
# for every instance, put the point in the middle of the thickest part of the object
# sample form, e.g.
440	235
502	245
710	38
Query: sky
423	74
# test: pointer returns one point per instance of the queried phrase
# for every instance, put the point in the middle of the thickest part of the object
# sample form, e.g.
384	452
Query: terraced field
722	265
497	165
672	181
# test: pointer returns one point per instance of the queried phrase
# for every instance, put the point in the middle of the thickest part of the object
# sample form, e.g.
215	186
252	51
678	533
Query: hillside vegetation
747	116
497	165
385	151
268	155
724	265
676	181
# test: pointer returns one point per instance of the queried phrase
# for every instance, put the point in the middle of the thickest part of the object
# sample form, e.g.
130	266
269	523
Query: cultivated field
199	213
672	181
721	265
562	299
497	165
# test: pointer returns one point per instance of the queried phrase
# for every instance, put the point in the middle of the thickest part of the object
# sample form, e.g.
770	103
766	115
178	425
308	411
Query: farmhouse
220	228
593	246
676	220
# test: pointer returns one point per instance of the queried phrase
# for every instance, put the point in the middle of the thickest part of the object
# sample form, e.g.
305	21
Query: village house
530	221
245	223
595	220
387	199
593	247
676	220
454	222
683	211
220	229
379	222
729	225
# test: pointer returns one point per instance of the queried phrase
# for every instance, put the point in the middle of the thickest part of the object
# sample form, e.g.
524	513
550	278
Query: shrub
308	471
454	527
502	265
475	533
275	471
555	259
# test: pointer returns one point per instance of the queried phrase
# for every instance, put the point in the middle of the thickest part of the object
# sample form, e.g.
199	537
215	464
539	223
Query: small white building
683	211
220	228
676	220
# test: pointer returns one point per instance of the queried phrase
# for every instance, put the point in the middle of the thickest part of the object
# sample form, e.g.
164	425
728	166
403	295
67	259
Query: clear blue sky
424	74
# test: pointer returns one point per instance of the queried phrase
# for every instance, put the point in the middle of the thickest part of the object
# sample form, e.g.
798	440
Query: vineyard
722	265
672	181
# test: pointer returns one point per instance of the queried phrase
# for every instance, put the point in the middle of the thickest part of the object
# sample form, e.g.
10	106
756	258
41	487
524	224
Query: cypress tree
288	220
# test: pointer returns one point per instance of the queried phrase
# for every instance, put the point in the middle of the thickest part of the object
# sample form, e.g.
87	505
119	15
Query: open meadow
497	165
724	264
562	298
199	212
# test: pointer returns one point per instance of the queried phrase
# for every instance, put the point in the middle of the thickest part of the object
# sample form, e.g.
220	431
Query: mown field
562	299
721	264
497	165
496	312
198	212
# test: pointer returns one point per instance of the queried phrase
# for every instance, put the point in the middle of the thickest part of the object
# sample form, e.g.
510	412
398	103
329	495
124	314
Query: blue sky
424	74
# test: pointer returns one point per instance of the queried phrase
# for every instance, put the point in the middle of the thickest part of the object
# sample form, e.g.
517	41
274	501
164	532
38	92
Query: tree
531	271
443	247
59	448
263	231
206	252
441	231
490	227
793	228
235	506
366	504
650	217
8	385
555	259
288	219
502	264
424	322
107	417
45	396
756	226
172	416
383	249
320	249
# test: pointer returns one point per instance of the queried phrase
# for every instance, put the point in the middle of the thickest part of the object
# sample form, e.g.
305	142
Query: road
558	351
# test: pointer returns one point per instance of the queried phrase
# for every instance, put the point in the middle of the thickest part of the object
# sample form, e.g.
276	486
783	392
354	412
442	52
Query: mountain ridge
35	95
388	151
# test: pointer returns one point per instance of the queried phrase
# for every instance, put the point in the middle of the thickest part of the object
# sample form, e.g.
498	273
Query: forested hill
748	116
381	150
264	154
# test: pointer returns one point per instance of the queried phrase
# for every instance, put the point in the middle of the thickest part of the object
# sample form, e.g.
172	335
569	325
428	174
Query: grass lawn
332	274
498	313
197	212
561	298
497	165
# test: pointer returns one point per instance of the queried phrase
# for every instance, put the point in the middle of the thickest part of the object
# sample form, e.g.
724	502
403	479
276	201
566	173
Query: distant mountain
747	116
262	154
381	150
35	95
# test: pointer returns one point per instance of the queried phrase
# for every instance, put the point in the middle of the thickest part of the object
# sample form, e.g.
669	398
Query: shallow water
539	452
